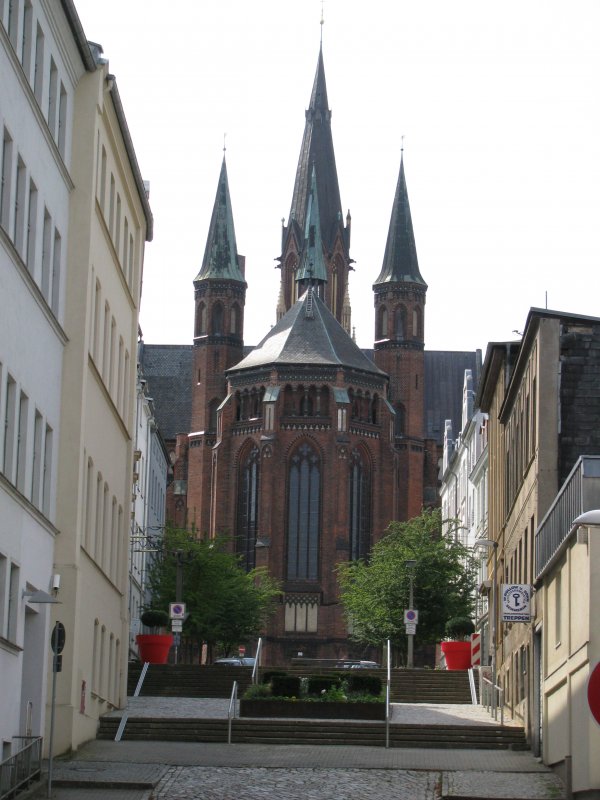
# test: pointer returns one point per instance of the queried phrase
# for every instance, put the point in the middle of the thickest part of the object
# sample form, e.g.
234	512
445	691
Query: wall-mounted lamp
39	596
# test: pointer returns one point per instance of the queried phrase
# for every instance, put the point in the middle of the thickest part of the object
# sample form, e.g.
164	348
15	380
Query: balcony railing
580	492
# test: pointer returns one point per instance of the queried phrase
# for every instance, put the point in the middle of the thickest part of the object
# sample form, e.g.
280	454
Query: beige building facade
110	221
542	396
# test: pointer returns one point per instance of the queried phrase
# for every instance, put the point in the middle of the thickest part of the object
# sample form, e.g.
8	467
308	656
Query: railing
257	661
17	771
578	494
492	697
138	689
232	709
388	705
472	687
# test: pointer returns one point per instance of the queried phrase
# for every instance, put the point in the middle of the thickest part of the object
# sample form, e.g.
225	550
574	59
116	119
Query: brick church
303	448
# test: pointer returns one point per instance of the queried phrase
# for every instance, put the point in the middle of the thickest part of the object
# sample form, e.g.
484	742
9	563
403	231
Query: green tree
225	605
375	593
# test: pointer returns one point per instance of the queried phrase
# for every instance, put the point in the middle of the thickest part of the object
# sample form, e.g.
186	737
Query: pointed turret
220	256
312	267
317	153
400	263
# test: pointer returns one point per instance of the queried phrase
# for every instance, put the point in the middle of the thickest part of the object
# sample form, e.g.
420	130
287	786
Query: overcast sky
499	104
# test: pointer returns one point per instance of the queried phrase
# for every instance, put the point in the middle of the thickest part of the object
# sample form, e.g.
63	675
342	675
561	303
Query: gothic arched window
360	507
234	316
248	509
201	320
400	323
217	319
304	513
382	323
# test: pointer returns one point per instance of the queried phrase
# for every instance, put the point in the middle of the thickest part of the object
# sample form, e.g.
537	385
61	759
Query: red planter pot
154	647
458	654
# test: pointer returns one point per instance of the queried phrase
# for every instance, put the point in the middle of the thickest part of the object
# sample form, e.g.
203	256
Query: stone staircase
191	680
316	732
408	686
188	680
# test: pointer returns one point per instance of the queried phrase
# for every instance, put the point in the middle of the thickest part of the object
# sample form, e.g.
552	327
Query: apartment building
74	217
541	395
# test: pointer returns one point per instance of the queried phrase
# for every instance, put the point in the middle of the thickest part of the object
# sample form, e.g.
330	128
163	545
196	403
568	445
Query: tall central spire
316	193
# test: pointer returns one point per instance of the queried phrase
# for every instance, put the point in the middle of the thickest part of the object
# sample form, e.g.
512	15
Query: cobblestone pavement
189	783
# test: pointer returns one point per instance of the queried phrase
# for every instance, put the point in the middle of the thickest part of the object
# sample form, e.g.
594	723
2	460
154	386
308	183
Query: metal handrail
125	715
387	695
231	712
492	697
18	770
472	687
257	660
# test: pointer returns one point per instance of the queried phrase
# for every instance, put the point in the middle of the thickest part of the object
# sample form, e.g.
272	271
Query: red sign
594	692
241	651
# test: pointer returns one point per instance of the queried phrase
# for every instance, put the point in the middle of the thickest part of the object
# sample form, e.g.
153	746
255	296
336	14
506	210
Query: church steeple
400	263
317	153
220	255
312	269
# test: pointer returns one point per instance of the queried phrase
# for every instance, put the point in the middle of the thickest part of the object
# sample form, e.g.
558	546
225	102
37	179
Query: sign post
57	643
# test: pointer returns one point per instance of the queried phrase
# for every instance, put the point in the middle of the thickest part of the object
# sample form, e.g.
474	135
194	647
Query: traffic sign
411	615
594	692
177	610
57	640
176	625
411	628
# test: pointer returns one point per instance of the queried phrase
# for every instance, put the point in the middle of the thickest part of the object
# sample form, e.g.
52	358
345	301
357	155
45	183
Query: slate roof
308	334
168	370
444	379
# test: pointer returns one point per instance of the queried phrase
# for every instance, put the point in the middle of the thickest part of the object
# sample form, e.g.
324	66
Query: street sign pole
57	643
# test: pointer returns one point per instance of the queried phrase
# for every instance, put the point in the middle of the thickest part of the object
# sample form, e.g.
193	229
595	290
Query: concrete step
325	732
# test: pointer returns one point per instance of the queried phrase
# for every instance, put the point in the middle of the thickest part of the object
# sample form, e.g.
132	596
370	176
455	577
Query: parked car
235	661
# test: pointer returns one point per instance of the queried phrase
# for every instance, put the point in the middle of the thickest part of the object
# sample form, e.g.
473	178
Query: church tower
399	346
219	294
316	185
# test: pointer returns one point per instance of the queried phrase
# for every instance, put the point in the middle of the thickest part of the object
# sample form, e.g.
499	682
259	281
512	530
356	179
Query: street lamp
491	543
410	566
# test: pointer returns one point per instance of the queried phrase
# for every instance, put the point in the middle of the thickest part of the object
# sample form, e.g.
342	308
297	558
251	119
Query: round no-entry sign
594	692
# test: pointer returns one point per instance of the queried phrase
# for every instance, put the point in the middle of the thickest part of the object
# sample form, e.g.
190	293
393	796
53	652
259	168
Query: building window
5	188
248	498
359	512
382	320
38	76
304	508
217	319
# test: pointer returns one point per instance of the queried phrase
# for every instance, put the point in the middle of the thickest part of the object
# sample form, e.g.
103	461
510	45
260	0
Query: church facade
302	449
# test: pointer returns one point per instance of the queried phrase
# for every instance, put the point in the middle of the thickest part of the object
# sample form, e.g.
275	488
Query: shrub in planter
154	647
367	684
317	684
459	628
285	686
272	673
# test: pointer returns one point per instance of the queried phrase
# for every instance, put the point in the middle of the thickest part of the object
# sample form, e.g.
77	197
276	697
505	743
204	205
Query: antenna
402	144
224	142
322	20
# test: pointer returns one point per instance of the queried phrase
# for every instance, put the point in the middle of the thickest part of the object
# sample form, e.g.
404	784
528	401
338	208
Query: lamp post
490	543
410	566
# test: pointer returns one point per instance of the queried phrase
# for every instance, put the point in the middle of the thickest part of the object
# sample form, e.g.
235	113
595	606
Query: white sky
499	104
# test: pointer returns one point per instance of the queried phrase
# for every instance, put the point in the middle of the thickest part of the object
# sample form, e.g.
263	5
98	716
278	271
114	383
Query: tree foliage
376	593
225	605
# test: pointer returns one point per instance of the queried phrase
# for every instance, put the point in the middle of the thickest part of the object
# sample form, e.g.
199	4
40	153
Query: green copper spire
312	263
400	264
221	256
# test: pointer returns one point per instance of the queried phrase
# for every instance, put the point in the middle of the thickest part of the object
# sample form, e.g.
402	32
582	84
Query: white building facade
464	495
151	463
40	64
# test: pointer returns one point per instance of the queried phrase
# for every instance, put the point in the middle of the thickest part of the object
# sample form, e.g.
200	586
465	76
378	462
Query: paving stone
487	785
